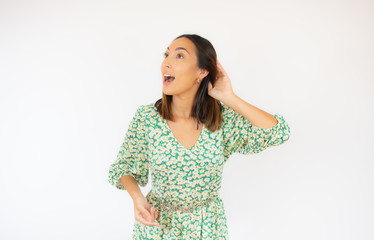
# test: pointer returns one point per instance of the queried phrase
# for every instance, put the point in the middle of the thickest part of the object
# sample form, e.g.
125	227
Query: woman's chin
166	92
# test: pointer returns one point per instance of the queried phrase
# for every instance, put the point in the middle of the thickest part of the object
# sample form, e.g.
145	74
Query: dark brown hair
205	108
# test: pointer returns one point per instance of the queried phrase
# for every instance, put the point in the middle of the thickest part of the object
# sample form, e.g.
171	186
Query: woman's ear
203	73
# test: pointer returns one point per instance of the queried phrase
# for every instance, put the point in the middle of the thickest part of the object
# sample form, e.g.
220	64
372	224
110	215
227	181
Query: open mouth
168	78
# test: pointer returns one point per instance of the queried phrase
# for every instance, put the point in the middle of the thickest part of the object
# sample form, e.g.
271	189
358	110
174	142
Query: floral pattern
187	176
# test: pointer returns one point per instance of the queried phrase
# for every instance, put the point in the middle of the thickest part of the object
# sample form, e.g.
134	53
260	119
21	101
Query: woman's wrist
138	196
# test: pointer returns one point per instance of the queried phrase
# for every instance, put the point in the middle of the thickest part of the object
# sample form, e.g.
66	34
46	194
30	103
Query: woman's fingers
145	213
154	214
221	68
149	209
146	218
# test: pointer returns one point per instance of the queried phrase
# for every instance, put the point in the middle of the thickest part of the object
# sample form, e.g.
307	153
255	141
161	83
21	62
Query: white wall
73	73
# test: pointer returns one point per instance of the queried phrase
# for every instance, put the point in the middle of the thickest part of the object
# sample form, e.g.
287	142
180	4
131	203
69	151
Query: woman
185	138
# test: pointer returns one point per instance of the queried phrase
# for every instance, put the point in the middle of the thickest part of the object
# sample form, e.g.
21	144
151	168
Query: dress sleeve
132	158
240	136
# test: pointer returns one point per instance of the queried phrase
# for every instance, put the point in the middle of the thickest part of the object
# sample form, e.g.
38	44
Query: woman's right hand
144	212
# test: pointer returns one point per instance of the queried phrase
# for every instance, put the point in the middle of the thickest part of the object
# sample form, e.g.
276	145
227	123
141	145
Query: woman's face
180	62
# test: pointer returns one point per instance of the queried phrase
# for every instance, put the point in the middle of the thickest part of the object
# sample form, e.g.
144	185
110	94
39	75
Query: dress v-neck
176	140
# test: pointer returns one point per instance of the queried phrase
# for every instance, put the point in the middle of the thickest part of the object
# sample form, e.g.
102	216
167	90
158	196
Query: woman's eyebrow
180	48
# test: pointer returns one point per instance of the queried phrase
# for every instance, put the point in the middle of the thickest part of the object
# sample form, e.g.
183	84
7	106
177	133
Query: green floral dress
183	176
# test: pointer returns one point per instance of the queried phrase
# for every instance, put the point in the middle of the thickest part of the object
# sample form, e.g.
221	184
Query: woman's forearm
255	115
131	186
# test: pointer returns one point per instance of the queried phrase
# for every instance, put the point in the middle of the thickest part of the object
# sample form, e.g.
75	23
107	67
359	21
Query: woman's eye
178	55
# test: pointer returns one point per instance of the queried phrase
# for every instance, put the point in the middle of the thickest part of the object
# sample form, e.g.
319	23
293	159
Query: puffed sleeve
132	158
240	136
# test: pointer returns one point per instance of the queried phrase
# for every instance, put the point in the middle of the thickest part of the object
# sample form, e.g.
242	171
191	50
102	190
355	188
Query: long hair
205	108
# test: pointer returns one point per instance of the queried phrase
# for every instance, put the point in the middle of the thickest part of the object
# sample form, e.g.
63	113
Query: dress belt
172	207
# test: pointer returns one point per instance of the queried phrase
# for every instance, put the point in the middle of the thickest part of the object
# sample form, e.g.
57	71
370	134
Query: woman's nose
166	63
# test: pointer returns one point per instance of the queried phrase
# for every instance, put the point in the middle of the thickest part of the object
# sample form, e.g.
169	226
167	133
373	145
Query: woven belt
171	207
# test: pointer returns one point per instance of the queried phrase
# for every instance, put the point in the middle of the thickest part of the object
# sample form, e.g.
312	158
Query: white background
73	73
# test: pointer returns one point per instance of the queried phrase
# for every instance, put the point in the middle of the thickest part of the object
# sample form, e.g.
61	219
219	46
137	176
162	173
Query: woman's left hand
222	88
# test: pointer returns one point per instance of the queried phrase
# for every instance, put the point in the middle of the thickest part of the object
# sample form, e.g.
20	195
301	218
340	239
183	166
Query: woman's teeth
168	78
